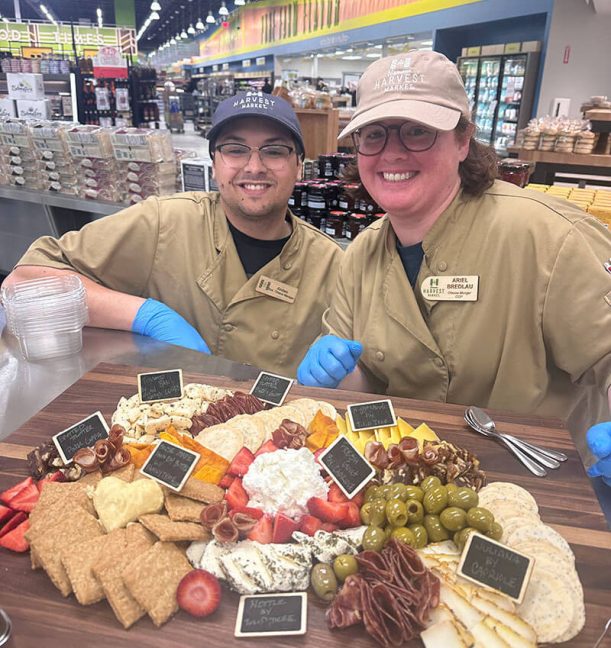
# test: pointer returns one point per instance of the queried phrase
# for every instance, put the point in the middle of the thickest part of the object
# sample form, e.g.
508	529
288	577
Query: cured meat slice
225	531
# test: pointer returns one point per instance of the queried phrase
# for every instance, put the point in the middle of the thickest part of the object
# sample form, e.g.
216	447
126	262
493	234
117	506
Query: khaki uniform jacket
538	338
179	250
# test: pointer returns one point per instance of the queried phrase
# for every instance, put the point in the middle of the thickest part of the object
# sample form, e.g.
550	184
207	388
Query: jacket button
287	266
275	335
442	266
228	327
379	355
439	362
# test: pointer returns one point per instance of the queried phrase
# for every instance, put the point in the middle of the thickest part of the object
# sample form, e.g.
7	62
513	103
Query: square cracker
91	479
108	569
75	526
202	491
126	473
168	531
78	560
182	509
153	577
63	495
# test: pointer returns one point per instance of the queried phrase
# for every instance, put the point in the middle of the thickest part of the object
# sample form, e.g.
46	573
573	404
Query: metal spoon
533	466
486	423
602	636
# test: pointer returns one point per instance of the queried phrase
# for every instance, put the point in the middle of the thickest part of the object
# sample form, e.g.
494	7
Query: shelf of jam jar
577	159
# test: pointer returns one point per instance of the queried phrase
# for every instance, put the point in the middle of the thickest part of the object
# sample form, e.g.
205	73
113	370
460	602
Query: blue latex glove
328	361
599	442
158	321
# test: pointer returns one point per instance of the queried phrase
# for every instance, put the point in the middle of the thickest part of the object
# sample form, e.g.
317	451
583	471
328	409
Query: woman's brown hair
477	172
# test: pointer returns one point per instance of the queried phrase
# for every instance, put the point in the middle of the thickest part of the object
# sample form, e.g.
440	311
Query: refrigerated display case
501	92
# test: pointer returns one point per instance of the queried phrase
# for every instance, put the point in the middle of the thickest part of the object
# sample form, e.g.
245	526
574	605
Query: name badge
448	288
276	289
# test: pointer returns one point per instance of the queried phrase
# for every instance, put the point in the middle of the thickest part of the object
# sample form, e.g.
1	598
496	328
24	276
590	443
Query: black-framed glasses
273	156
371	139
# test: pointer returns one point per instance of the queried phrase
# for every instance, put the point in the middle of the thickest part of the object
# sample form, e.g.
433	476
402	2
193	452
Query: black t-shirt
255	253
411	257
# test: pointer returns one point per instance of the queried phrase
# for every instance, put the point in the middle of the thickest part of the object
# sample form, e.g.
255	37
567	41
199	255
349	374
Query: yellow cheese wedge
341	424
384	436
405	429
424	433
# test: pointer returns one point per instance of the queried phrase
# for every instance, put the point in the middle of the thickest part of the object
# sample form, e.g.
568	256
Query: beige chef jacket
538	338
178	250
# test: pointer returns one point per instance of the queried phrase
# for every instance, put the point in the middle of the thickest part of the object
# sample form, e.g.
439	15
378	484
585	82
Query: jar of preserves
334	224
355	223
345	201
325	167
514	171
316	217
299	198
316	197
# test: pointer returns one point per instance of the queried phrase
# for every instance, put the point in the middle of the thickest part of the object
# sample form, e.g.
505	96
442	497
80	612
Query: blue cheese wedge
354	536
210	560
235	576
290	566
195	551
327	546
249	559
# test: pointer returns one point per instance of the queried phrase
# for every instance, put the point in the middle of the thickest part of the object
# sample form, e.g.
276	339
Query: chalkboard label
268	615
170	465
271	388
160	385
375	414
487	562
80	435
348	468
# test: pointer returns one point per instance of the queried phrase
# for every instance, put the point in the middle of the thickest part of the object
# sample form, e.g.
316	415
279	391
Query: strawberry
268	446
335	494
15	540
309	524
6	514
8	494
262	531
359	498
56	476
236	495
249	510
14	522
283	528
241	462
26	499
316	455
328	526
226	481
198	593
352	516
326	511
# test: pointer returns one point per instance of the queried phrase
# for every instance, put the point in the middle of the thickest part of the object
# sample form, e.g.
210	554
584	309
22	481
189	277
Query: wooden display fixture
601	123
319	128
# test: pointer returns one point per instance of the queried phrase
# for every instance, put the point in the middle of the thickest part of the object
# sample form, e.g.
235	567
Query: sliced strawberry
249	510
8	494
241	462
15	539
335	494
56	476
236	495
326	511
198	593
262	531
6	514
226	481
309	524
14	522
352	516
268	446
26	499
283	528
328	526
359	498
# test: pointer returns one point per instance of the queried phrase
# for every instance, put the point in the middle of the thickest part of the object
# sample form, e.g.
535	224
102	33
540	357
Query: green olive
388	532
422	537
366	512
345	565
435	499
434	529
453	518
324	582
461	537
398	491
463	497
384	491
480	518
404	535
451	486
414	492
378	513
374	538
495	531
396	512
430	482
415	511
372	493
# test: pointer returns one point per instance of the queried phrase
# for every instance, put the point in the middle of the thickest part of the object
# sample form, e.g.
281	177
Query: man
233	273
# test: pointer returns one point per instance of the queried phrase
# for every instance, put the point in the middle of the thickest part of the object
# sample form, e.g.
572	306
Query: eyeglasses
273	156
371	139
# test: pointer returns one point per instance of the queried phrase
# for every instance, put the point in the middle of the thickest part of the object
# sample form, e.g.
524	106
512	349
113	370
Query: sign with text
83	434
271	388
487	562
374	414
269	615
160	385
170	465
348	468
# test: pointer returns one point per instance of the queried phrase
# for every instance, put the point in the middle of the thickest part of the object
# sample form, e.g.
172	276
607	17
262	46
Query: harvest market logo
400	77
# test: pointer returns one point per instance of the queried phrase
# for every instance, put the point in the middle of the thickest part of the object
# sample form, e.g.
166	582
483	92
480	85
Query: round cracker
253	430
327	409
271	420
510	492
294	414
539	532
224	440
539	549
511	524
308	406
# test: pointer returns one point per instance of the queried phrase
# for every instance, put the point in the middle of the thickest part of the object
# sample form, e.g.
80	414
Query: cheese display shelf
39	613
549	163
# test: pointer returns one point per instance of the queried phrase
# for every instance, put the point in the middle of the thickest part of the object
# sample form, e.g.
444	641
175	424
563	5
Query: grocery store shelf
64	201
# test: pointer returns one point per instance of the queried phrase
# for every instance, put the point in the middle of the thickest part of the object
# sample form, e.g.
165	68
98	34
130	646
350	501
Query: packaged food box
25	86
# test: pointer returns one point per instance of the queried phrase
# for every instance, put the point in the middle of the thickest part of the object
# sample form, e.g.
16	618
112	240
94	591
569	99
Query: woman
469	290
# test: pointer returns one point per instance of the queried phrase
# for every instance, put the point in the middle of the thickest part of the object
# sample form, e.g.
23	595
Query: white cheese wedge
195	551
442	635
210	560
468	615
508	619
251	561
237	579
487	638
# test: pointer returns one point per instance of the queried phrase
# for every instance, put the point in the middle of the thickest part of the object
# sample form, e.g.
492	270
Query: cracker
224	440
126	473
66	494
168	531
75	526
153	577
78	560
202	491
294	414
91	479
507	491
252	429
540	532
108	570
182	509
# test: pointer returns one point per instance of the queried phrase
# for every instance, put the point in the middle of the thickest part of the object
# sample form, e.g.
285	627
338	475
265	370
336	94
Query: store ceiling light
199	24
47	13
223	11
172	41
154	16
210	18
183	34
191	29
178	37
239	3
155	6
98	12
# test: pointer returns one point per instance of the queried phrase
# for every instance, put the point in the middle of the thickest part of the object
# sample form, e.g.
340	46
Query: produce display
260	514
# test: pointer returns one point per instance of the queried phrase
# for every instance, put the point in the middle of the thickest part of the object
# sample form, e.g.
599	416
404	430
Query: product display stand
319	129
